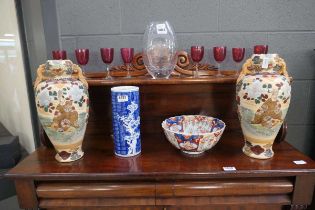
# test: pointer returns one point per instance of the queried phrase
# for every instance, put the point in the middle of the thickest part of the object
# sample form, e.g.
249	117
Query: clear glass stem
196	72
128	72
238	67
219	71
108	72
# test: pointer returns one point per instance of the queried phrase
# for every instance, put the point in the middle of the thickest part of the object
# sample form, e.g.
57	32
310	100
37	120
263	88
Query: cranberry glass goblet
127	56
197	53
82	56
107	57
238	55
59	54
219	54
260	49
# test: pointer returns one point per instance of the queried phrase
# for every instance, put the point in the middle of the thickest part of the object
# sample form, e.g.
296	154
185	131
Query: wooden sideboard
161	177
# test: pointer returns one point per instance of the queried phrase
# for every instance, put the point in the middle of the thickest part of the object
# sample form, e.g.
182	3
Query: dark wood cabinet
161	177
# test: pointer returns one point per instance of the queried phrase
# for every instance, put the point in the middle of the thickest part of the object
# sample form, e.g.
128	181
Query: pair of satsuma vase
263	93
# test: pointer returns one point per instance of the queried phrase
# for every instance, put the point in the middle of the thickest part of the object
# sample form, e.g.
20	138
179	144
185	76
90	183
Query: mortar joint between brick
218	16
197	33
58	24
120	21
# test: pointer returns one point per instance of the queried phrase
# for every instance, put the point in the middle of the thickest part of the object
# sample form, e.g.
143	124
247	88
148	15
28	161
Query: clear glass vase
159	50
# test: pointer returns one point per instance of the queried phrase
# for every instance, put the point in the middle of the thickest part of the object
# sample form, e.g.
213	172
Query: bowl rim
185	133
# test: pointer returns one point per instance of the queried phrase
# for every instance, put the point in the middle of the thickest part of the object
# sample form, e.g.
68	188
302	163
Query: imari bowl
193	134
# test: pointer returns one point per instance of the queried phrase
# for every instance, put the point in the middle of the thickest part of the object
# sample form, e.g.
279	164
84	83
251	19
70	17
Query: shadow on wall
313	145
311	115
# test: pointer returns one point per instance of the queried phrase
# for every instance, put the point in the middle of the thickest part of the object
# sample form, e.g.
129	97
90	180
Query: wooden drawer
94	190
95	194
226	187
225	192
177	193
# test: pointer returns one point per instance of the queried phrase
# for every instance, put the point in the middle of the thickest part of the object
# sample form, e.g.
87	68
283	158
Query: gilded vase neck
268	63
58	69
264	64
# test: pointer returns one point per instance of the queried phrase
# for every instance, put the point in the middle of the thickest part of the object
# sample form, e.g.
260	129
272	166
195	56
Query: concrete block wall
287	26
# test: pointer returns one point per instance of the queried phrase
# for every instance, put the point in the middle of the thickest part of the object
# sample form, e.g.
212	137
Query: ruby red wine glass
127	56
197	53
219	54
59	54
107	57
82	56
238	55
260	49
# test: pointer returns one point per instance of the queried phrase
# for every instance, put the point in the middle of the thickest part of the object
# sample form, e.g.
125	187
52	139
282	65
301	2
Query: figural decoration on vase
263	93
62	101
159	50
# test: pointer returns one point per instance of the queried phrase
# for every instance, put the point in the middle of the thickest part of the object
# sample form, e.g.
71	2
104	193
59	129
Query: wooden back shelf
163	98
97	79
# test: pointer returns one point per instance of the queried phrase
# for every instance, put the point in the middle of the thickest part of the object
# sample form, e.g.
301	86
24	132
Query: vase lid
58	68
265	64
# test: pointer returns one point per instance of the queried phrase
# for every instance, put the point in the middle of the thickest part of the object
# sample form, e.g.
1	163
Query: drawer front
67	195
273	191
94	190
225	187
225	192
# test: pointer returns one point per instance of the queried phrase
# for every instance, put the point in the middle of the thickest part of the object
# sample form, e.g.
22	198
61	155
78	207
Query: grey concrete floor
10	203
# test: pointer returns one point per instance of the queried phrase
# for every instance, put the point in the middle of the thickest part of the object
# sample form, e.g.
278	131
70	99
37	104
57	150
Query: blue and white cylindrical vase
126	120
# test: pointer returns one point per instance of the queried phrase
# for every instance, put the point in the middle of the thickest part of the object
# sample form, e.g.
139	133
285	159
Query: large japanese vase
61	94
263	94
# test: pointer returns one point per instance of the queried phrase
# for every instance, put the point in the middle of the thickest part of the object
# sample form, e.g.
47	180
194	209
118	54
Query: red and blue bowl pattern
193	134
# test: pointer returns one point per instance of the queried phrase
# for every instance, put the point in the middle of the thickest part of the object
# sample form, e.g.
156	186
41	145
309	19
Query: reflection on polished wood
159	160
161	177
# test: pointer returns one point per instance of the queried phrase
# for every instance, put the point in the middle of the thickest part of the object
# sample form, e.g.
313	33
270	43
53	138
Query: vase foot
128	155
65	157
192	154
258	151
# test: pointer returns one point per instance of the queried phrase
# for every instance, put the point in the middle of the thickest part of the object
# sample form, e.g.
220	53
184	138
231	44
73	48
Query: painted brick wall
287	26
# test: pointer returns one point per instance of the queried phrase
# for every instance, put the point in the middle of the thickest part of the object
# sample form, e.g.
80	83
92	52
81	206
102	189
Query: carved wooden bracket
184	66
137	68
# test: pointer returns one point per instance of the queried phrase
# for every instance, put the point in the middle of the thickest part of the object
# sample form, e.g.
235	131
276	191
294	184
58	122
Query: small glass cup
82	56
107	57
127	56
59	54
197	53
260	49
219	54
238	54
